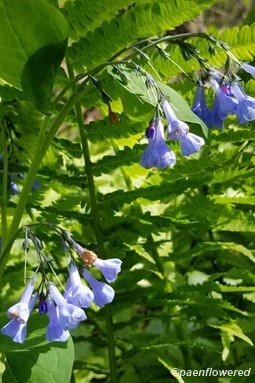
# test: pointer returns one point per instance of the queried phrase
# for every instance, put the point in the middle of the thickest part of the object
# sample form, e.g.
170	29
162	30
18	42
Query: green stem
97	224
4	191
150	239
43	144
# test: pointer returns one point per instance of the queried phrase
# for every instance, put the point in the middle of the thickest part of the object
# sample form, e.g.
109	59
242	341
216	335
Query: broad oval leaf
33	40
36	360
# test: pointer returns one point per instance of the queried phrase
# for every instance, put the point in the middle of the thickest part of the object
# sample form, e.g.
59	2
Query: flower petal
109	268
103	293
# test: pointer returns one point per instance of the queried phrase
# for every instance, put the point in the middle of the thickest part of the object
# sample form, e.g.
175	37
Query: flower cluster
157	153
230	99
65	311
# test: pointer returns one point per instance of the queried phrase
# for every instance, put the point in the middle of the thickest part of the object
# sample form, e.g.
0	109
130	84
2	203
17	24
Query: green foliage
109	34
27	47
185	296
37	359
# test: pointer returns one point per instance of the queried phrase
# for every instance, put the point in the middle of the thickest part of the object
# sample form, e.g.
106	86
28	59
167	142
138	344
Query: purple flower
245	110
69	315
109	268
36	185
217	120
54	330
248	68
20	311
42	305
103	293
191	144
16	329
77	293
157	153
176	128
226	103
199	106
14	189
150	131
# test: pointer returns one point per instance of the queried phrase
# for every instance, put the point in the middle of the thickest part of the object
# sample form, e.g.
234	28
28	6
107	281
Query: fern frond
103	130
145	19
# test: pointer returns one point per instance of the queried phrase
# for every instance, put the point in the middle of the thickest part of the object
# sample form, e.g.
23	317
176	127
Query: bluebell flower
103	293
176	128
157	153
179	130
54	330
245	110
16	329
14	189
226	102
76	293
69	315
248	68
109	268
191	144
199	106
217	119
20	311
36	185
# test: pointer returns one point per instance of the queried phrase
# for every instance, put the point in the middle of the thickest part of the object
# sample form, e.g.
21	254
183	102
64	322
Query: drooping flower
217	120
176	128
191	144
245	110
199	106
14	189
109	268
76	293
226	102
16	329
69	315
20	311
248	68
36	185
179	130
54	330
157	154
103	293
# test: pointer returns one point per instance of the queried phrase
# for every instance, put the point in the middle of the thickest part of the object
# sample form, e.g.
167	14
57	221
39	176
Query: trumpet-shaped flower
16	329
54	330
245	110
14	189
20	311
217	120
199	106
191	144
69	315
103	293
176	128
157	153
227	103
77	293
109	268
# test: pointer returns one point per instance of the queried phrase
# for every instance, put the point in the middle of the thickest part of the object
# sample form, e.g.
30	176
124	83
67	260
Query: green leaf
226	338
37	34
37	360
137	94
109	34
174	371
233	330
